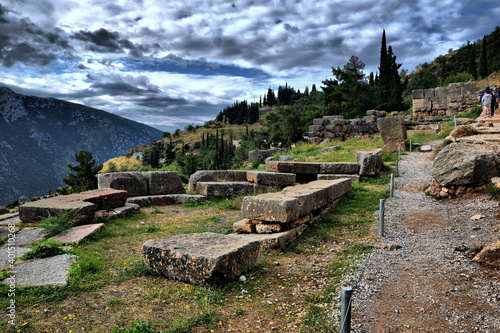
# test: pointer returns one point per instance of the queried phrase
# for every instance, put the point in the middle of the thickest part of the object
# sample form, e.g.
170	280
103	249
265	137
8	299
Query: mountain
40	136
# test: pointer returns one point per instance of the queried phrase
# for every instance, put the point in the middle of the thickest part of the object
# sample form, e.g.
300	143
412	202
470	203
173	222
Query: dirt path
429	284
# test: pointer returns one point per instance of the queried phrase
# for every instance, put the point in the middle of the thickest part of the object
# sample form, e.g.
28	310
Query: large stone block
206	258
104	198
242	188
308	199
370	162
393	132
272	207
133	182
271	178
353	178
216	176
36	211
293	167
164	182
214	189
339	168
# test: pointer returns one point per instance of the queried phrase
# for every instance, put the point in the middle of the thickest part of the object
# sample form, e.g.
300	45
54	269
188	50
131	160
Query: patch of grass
157	211
141	327
227	203
193	202
152	227
317	320
212	218
56	224
494	191
472	113
44	248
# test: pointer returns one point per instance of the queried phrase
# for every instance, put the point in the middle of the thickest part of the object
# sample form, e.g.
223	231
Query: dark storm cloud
2	14
118	85
26	54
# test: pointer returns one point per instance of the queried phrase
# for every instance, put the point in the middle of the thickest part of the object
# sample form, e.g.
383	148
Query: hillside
39	137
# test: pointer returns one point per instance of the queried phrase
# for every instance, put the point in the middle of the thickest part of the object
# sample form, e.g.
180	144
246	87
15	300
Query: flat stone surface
128	209
293	167
10	252
370	162
142	201
42	272
161	200
78	234
267	178
9	218
180	198
214	189
216	176
36	211
205	258
426	148
104	198
29	235
273	241
354	178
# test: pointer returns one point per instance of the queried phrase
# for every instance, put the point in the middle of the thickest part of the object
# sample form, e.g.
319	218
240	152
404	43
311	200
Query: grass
110	289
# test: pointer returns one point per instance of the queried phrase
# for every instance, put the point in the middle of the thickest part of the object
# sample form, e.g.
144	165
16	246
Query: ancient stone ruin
439	102
393	132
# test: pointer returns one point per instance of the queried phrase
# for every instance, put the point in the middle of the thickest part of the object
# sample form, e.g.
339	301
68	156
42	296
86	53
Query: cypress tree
483	61
384	81
371	82
471	69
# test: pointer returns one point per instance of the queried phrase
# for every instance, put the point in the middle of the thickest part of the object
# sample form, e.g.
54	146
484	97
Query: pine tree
483	61
85	176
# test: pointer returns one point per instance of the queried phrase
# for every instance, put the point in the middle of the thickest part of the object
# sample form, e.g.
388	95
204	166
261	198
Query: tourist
486	102
494	101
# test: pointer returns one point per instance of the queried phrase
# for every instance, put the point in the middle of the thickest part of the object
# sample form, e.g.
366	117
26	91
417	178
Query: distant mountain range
40	136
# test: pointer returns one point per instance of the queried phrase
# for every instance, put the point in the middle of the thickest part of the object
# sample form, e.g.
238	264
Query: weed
56	224
152	227
212	218
157	211
475	250
239	312
141	327
193	202
494	191
139	268
471	113
318	320
44	248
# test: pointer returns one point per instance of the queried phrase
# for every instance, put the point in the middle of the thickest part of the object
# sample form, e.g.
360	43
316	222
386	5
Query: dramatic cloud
172	63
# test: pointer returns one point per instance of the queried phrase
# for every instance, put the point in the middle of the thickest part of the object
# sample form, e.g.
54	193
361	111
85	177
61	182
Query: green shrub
57	224
193	202
3	210
44	248
141	327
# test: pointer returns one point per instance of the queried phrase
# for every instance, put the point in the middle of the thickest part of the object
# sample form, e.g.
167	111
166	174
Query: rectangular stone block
104	198
272	207
78	234
36	211
370	162
242	188
161	200
334	188
143	201
133	182
271	178
214	189
308	199
164	182
205	258
270	228
339	167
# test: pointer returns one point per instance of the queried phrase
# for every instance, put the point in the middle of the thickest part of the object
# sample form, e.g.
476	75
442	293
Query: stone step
227	189
267	178
205	258
142	183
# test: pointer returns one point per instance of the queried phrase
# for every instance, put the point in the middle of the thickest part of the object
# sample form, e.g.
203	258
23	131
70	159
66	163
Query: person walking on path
494	101
486	103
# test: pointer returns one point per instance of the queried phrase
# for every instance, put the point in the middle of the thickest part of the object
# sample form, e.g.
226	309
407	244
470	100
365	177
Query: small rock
461	248
243	278
143	223
477	217
391	247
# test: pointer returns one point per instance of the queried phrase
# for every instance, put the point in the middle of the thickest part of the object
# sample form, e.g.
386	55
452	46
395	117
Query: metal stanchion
381	218
345	311
392	185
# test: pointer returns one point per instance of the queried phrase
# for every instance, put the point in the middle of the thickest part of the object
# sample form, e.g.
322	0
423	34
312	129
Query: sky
168	64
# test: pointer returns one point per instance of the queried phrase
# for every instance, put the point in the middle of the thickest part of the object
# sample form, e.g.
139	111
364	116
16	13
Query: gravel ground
420	279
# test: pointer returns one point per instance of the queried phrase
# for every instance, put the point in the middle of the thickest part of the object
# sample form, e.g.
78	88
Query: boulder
164	182
490	255
393	132
462	131
205	258
133	182
370	162
466	164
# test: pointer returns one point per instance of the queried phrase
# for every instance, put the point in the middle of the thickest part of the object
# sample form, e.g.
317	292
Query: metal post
396	168
399	153
345	311
410	146
455	120
392	185
381	218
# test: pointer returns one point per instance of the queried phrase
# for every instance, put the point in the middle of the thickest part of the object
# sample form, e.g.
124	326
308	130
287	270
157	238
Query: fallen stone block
36	211
135	183
393	132
272	207
104	198
216	176
307	198
214	189
292	167
242	188
271	178
78	234
51	271
244	226
206	258
164	182
161	200
370	162
273	241
142	201
181	198
354	178
337	168
127	210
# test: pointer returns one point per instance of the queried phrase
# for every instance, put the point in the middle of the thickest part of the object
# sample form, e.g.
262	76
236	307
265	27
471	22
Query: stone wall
336	128
439	102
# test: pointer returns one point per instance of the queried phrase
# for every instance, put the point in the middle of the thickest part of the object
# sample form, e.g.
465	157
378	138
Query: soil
421	277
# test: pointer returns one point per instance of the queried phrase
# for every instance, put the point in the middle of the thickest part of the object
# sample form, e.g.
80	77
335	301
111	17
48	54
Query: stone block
36	211
104	198
206	258
339	167
316	128
393	132
180	198
127	210
417	94
333	189
164	182
78	234
161	200
272	207
214	189
133	182
142	201
318	121
244	226
353	178
271	178
293	167
242	188
216	176
370	162
307	198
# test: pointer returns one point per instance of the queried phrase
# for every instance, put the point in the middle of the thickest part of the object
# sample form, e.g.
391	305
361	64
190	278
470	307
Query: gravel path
424	281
